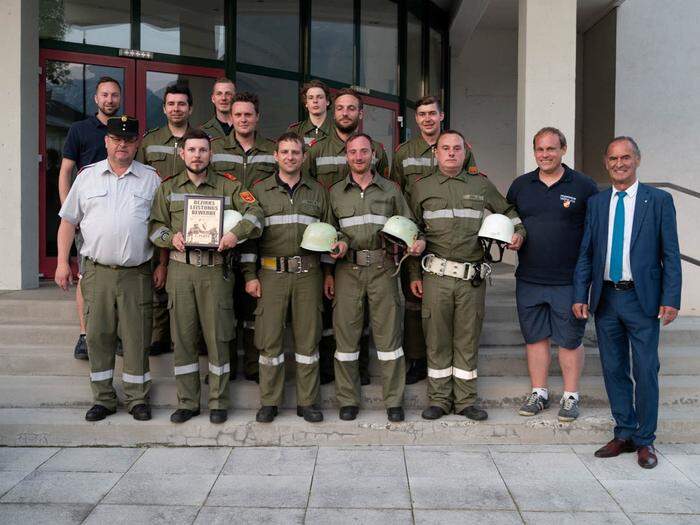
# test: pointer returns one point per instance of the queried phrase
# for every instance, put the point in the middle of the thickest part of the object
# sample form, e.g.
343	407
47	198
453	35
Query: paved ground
498	484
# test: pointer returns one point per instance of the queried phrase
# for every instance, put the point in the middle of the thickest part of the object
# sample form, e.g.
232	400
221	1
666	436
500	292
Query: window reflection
379	45
156	82
86	22
435	75
278	101
332	40
267	33
414	59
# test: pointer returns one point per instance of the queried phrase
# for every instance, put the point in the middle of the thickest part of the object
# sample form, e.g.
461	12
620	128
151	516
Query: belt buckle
211	259
443	266
294	264
367	257
198	253
470	271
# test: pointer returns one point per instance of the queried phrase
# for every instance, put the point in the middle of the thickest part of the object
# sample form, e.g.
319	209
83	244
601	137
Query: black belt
620	286
116	266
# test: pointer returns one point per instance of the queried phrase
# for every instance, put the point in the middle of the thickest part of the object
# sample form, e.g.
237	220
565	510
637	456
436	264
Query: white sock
542	392
567	395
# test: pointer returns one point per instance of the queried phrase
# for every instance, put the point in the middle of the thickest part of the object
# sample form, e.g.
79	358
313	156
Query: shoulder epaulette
295	124
421	178
213	139
229	176
402	144
168	178
257	182
483	175
150	131
85	167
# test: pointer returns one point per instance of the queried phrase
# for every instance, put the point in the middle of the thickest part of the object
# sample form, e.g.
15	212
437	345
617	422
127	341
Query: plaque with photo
204	221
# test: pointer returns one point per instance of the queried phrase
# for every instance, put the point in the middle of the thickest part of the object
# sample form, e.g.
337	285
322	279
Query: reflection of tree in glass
51	19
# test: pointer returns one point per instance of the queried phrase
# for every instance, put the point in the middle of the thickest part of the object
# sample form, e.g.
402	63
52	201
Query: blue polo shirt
85	143
554	219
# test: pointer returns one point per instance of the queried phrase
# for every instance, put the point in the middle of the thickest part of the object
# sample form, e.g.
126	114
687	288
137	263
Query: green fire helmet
231	219
319	237
400	230
497	229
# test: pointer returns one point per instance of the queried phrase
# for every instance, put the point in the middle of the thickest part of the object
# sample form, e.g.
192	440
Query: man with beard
85	144
326	162
315	96
199	294
221	124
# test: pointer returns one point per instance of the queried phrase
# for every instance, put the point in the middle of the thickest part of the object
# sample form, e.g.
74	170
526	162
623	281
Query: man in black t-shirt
551	202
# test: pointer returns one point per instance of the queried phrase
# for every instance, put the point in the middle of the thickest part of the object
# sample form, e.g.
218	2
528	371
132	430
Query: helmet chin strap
487	244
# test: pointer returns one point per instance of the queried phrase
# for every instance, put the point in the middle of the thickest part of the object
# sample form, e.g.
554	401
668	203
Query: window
279	101
267	33
332	40
156	82
86	22
435	70
414	59
379	35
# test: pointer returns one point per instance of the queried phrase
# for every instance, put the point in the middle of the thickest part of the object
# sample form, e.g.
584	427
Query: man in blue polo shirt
85	145
551	202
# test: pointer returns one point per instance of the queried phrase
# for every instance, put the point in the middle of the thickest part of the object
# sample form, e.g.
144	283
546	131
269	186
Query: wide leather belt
366	257
294	264
198	257
620	286
459	270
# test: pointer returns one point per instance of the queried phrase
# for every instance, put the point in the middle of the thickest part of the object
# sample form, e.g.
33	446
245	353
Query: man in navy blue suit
630	260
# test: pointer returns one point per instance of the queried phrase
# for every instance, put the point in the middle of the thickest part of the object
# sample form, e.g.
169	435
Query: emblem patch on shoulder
473	170
230	176
247	196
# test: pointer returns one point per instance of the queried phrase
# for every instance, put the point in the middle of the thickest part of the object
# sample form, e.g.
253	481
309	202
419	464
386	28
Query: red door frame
47	265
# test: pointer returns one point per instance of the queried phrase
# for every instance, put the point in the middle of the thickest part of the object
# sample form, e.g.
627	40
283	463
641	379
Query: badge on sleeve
247	196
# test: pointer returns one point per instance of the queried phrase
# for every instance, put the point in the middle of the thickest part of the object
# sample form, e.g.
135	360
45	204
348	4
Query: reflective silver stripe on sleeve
101	376
248	257
306	359
249	325
295	218
158	234
452	213
259	159
328	332
226	157
331	161
417	161
464	374
227	201
219	370
160	149
347	356
440	373
139	380
271	361
252	219
390	356
176	197
516	221
325	258
368	218
186	369
308	140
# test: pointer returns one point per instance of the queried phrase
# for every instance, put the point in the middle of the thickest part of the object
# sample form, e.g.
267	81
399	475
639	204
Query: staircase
44	391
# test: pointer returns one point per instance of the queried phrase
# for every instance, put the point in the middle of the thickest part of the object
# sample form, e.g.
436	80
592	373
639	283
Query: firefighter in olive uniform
361	204
316	97
221	124
290	278
449	205
198	292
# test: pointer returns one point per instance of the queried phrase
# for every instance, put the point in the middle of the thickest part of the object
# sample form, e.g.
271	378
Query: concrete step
67	428
493	361
494	392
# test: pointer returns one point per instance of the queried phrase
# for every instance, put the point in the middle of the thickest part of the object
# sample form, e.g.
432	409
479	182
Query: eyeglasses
125	140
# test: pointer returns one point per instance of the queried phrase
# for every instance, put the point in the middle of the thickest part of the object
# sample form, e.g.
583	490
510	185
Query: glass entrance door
380	122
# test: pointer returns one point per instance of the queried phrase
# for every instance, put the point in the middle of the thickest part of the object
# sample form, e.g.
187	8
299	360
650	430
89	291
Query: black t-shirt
85	143
554	218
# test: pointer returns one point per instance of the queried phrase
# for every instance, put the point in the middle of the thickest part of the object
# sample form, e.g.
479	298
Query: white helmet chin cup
498	229
319	237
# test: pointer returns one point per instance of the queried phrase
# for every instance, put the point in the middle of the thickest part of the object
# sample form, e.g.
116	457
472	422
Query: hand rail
687	191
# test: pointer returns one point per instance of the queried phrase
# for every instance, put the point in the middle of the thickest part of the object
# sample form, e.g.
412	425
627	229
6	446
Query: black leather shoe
433	412
348	413
80	351
474	413
253	377
310	413
120	348
182	414
364	377
416	370
395	414
141	412
218	415
266	414
160	347
98	413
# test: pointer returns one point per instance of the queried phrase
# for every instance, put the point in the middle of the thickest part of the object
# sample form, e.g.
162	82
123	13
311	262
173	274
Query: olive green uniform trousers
118	297
352	285
200	297
453	312
279	292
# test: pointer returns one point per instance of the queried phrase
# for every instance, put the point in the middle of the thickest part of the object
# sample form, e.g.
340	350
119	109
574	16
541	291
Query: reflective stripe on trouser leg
348	317
468	317
437	313
385	315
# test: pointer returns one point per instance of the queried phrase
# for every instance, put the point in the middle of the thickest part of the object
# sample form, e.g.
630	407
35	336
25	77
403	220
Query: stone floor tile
10	478
136	488
665	519
43	514
182	460
24	458
655	496
361	461
450	464
451	493
87	459
541	466
260	491
530	449
576	518
358	516
561	495
689	464
360	492
253	516
142	514
625	467
61	487
271	461
460	517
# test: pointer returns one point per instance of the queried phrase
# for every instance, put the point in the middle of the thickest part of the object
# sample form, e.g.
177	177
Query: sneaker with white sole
534	404
568	410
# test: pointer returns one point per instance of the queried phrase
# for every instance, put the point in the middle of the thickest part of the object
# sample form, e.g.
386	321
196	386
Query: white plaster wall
657	101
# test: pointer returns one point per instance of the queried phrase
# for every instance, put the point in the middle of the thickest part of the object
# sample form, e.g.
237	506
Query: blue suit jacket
654	253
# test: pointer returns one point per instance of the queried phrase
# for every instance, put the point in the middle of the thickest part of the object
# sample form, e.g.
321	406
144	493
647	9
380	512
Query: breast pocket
310	208
436	214
471	210
154	156
95	200
343	213
384	208
140	205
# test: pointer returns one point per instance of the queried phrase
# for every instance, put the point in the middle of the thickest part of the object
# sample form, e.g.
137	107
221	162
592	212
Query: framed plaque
204	221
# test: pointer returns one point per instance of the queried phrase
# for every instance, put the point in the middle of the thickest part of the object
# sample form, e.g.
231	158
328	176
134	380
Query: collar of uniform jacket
108	170
183	178
377	180
282	186
231	142
462	175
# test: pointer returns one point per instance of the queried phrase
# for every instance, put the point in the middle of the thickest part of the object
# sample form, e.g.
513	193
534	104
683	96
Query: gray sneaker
568	410
534	404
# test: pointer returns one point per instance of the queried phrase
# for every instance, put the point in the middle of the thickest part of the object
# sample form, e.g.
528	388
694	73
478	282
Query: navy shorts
544	311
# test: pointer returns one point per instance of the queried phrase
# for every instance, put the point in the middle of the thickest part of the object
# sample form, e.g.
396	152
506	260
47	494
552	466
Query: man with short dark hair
222	93
85	145
551	202
316	98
